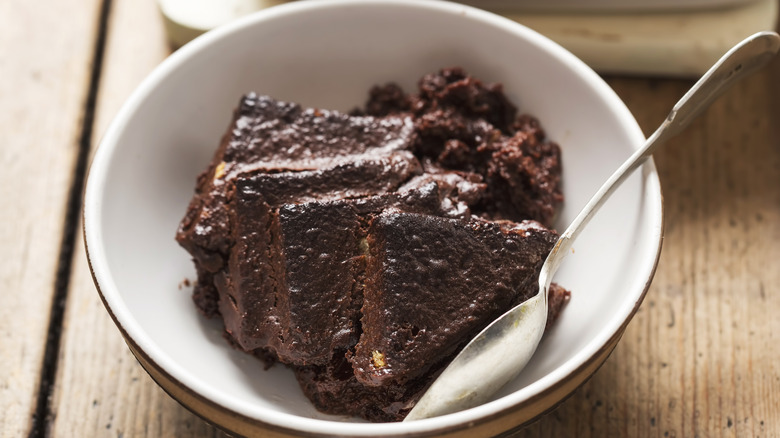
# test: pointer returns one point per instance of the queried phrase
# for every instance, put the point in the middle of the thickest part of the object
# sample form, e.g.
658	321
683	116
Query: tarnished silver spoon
498	353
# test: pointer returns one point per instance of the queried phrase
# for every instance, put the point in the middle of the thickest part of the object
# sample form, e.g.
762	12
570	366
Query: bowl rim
137	337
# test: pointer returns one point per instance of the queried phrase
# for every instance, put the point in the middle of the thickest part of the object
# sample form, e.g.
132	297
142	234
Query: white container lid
186	19
605	5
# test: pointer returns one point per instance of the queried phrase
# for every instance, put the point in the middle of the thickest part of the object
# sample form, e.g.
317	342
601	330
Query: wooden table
701	358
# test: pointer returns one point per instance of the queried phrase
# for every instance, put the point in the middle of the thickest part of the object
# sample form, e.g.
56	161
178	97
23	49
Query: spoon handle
742	60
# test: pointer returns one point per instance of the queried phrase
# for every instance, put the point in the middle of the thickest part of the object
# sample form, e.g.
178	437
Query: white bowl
327	54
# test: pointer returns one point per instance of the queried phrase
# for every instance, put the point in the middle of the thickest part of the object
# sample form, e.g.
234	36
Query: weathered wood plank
101	390
45	63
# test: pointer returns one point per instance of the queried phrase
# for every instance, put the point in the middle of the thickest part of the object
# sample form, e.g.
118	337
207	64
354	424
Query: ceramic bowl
328	54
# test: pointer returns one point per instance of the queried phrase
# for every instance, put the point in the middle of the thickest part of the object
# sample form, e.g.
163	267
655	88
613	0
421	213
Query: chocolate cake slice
433	283
294	280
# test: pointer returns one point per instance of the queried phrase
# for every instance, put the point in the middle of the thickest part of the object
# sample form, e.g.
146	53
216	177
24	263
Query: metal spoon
498	353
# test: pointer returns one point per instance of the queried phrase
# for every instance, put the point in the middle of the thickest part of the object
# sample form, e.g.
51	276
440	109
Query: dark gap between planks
43	415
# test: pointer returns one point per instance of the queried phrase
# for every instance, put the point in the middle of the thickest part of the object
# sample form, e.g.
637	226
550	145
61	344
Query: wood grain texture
699	359
44	66
101	390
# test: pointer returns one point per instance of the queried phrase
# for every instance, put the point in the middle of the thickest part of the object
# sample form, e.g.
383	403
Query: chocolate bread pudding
363	250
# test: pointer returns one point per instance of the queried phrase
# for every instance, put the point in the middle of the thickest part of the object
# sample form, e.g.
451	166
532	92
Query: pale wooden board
101	389
701	353
682	42
44	80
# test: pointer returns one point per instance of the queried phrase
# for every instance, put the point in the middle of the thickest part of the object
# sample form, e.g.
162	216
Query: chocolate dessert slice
432	283
294	283
270	134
